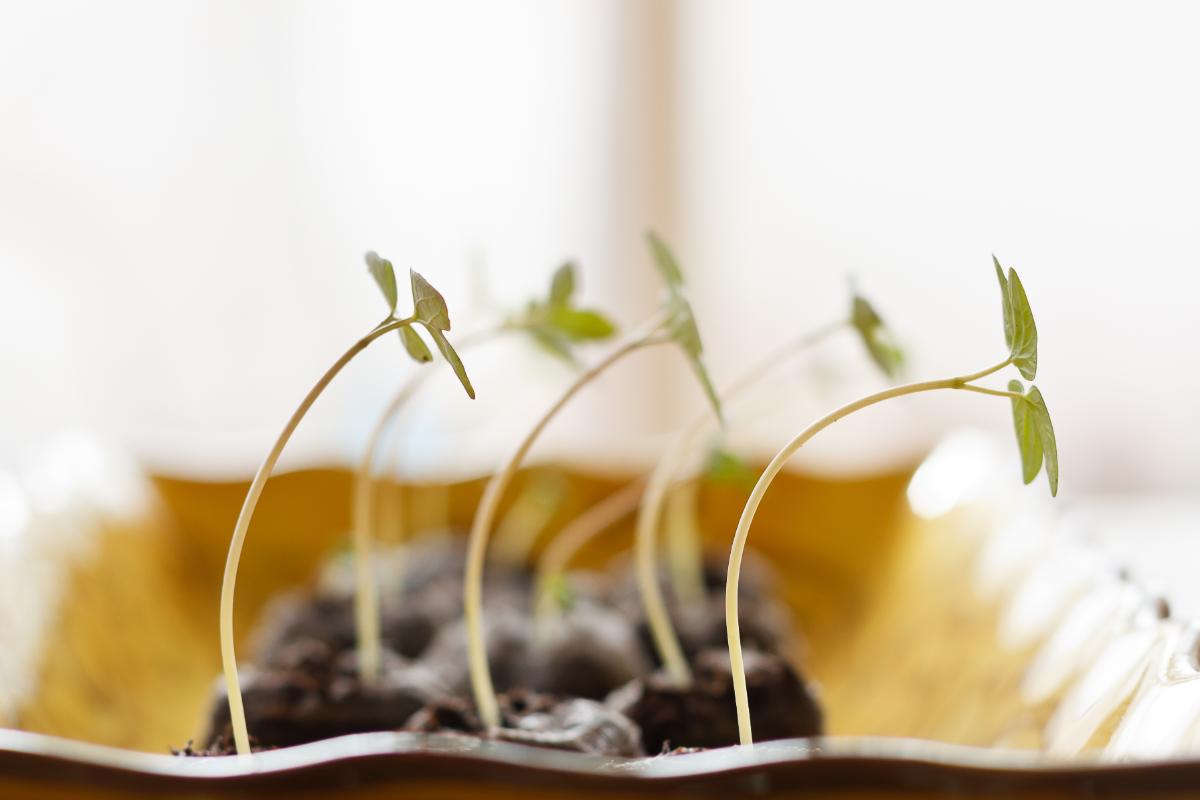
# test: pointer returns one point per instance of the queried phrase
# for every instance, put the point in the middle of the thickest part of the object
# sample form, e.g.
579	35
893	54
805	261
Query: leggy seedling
882	349
1035	440
674	323
556	324
429	311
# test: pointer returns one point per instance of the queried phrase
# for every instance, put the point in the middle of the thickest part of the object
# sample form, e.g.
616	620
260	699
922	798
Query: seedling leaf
1024	343
1045	429
415	346
552	341
1005	304
876	337
580	323
428	304
562	285
724	467
452	358
1028	440
664	259
681	321
682	328
385	277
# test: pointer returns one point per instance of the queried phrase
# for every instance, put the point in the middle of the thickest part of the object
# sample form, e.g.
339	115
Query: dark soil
305	687
543	720
704	715
311	692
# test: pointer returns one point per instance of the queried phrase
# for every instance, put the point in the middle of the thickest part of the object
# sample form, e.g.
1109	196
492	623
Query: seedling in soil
1035	441
673	324
556	324
884	351
429	312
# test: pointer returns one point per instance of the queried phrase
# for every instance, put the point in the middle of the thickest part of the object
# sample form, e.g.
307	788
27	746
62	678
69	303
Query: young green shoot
1035	441
883	350
429	311
556	324
550	572
675	323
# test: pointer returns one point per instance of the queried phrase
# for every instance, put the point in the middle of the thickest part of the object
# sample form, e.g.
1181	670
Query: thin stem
994	392
666	642
237	713
736	552
571	539
685	551
366	595
481	526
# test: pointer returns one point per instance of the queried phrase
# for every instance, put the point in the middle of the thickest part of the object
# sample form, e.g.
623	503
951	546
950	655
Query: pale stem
685	554
527	518
571	539
366	593
237	713
666	642
742	532
481	526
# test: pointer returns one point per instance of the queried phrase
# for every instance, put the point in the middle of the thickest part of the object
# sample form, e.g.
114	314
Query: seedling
429	311
674	323
1035	441
886	354
550	585
556	324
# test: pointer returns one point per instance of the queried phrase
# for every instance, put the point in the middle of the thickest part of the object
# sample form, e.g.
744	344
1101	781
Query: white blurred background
187	189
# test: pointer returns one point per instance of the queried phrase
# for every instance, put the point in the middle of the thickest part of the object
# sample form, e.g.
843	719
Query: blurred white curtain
186	190
907	142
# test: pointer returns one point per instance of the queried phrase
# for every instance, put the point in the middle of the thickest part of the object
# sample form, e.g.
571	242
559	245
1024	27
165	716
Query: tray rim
825	762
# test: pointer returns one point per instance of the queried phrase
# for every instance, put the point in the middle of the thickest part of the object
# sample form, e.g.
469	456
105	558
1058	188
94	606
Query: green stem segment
666	642
485	515
760	489
366	595
237	713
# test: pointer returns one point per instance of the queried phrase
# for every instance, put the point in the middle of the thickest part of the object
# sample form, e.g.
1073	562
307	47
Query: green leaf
681	321
664	259
559	589
579	323
415	346
1028	440
725	467
1045	429
562	285
385	277
1006	304
1024	337
682	329
451	357
428	304
552	341
876	337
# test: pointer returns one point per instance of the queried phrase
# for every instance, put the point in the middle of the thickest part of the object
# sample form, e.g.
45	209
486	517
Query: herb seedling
556	324
674	323
549	574
429	311
884	352
1035	441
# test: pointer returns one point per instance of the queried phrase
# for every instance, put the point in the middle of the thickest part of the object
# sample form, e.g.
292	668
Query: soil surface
554	681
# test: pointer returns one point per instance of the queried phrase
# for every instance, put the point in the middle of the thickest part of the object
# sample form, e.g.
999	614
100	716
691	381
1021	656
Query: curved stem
666	642
574	535
237	713
366	595
736	552
481	526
